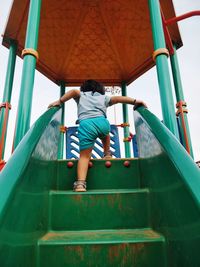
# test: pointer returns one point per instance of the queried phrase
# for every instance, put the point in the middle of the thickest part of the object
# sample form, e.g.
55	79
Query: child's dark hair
93	86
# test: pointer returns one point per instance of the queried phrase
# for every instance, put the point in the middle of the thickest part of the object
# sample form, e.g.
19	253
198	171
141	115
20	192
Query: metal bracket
30	51
160	51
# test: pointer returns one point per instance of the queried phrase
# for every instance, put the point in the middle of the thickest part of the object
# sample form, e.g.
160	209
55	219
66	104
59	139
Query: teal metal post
7	93
125	120
182	112
165	88
62	130
28	72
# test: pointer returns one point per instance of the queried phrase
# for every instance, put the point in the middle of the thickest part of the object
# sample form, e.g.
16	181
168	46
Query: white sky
145	88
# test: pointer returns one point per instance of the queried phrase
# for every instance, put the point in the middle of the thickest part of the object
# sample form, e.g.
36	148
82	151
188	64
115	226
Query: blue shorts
90	129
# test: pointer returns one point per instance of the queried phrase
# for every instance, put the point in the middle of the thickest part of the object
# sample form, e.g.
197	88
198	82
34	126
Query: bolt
127	163
70	164
108	164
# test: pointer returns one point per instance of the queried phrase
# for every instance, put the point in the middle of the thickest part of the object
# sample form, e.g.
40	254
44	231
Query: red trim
181	112
167	35
7	106
184	16
2	164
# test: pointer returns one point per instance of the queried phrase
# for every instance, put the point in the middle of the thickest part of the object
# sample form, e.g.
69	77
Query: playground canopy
110	41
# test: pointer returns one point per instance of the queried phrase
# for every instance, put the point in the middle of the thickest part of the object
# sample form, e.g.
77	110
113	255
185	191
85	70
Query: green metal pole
165	88
125	120
8	87
61	141
28	73
180	98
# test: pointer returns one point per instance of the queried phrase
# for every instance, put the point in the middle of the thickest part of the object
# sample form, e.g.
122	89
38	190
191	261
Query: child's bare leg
82	169
106	146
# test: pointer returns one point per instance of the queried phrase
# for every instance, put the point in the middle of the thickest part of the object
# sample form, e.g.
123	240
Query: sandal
79	186
107	155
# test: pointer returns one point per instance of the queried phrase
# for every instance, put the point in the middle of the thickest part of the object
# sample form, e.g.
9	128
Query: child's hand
54	104
139	103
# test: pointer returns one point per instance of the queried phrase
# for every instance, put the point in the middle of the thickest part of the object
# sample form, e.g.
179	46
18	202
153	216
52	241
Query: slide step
130	247
100	177
99	209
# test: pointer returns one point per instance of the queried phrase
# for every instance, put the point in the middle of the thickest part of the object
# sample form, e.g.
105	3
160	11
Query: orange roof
106	40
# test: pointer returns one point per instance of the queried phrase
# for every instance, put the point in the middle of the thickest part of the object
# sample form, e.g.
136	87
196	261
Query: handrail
21	156
177	154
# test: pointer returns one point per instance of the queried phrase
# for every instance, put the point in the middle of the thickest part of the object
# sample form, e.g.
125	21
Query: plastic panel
174	181
24	192
72	144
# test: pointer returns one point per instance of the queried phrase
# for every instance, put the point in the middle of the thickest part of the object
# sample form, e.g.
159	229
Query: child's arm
67	96
127	100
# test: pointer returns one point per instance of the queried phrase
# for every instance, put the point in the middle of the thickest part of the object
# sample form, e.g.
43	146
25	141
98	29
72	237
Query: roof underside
106	40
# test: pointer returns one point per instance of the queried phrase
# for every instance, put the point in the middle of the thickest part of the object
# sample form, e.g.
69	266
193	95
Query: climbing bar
125	124
63	129
181	106
160	51
30	51
184	16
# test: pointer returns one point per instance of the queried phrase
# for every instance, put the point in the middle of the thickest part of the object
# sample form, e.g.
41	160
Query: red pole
181	110
7	106
184	16
167	35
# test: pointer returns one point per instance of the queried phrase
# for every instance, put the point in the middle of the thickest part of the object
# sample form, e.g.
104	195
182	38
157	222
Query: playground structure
137	212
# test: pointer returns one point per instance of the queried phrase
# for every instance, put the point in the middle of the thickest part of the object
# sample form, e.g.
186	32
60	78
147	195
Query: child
92	104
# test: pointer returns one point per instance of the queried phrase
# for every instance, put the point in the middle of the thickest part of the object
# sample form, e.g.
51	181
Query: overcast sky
145	88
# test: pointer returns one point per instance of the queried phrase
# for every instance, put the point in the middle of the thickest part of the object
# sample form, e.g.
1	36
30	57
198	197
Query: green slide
142	214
